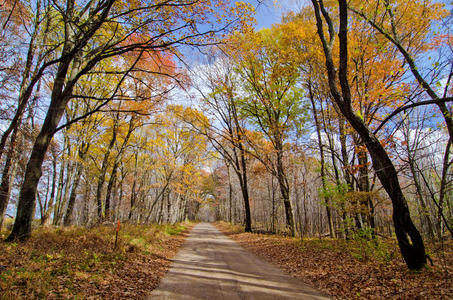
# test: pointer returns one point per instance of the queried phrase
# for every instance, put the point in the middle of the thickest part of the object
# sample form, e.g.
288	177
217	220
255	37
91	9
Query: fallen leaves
81	263
334	267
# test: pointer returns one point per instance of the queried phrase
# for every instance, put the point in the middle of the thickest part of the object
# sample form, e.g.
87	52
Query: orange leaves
375	72
15	11
409	21
246	13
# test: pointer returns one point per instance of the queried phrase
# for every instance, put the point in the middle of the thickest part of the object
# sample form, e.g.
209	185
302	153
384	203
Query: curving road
212	266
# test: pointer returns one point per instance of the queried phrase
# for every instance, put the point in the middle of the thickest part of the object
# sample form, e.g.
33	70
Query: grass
79	263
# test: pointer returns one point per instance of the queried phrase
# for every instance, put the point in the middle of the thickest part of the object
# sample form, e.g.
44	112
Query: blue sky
267	15
270	12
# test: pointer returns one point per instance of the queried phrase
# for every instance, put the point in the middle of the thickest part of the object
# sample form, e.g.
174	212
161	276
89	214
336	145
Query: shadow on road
211	266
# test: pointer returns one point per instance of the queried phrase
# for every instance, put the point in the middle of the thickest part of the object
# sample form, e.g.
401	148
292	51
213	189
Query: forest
333	124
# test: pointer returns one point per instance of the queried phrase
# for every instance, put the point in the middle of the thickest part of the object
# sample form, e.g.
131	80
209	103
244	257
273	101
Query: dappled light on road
211	266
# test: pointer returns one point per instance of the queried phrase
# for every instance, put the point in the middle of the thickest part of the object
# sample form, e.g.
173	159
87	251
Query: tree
413	250
272	100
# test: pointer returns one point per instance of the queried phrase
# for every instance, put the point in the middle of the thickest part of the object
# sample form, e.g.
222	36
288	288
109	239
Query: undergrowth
76	262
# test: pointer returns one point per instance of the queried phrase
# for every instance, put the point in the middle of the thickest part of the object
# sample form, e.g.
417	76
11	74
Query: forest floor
82	263
355	269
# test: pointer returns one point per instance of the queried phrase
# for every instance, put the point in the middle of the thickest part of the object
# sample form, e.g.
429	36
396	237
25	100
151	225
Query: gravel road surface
212	266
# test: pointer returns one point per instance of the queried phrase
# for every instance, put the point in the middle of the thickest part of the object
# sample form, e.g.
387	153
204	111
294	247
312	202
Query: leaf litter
354	269
83	264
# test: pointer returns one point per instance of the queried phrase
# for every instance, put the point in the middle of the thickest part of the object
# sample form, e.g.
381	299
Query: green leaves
273	101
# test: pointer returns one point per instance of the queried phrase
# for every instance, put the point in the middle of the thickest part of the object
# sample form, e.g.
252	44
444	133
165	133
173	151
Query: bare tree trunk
305	209
418	188
271	191
441	215
322	161
119	214
347	175
168	208
161	209
86	204
297	201
443	183
79	167
5	186
104	166
110	186
284	189
243	180
64	196
45	221
59	196
230	194
364	186
134	184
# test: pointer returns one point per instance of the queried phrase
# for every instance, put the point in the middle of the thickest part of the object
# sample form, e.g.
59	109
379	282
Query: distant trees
220	92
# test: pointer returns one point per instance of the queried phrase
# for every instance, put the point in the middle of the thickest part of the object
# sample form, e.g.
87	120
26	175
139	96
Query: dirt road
211	266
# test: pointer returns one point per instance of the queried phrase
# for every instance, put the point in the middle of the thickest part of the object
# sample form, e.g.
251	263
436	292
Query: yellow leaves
178	149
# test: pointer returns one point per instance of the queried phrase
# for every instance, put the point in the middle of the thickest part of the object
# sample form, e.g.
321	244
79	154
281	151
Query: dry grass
83	264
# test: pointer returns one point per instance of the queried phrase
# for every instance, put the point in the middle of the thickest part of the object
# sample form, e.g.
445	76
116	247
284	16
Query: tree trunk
104	166
168	208
7	179
243	180
444	182
27	196
133	191
297	200
284	190
424	211
82	152
60	186
161	209
119	214
413	251
70	177
110	186
347	175
45	221
364	186
322	161
86	204
230	195
272	198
